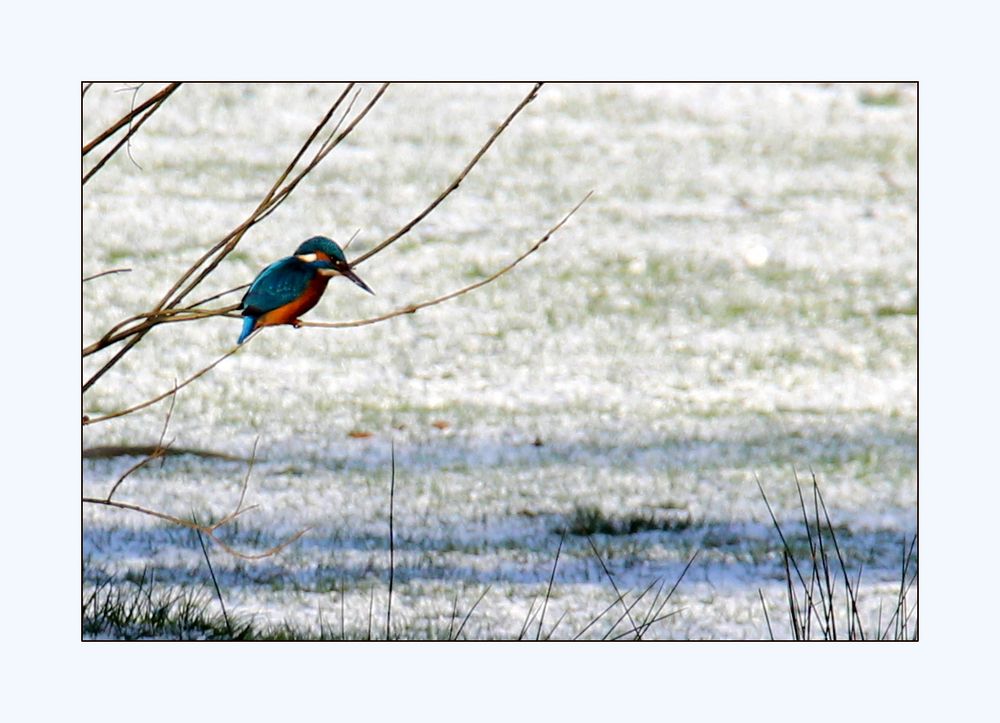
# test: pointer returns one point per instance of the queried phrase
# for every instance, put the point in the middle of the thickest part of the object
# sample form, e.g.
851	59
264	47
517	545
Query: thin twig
552	630
150	319
528	617
777	527
469	614
601	615
104	273
128	144
155	454
767	618
677	582
215	582
371	607
657	619
548	591
611	580
628	609
392	548
852	595
208	530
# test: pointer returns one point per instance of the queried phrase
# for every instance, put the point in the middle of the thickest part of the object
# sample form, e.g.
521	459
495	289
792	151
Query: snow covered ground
738	298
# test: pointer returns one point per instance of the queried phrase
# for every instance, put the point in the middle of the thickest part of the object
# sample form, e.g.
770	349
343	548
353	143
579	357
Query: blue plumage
248	324
290	287
280	283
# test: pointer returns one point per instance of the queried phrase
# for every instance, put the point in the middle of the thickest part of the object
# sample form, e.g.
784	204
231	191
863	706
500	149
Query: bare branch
205	529
104	273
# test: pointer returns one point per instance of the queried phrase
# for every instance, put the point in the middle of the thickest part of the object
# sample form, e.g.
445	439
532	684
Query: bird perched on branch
292	286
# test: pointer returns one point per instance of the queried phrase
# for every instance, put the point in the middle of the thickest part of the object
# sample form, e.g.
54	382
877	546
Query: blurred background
737	301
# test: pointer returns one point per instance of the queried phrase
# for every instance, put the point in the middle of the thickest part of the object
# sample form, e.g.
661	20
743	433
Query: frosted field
738	298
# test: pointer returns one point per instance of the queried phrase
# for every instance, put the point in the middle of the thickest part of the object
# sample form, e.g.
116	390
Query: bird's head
328	258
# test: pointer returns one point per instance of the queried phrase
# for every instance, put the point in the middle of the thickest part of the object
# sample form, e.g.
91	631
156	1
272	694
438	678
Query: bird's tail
248	324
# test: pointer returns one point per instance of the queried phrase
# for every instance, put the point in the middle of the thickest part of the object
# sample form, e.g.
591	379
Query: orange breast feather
293	310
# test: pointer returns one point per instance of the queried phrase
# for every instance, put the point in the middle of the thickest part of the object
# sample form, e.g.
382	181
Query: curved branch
208	530
104	273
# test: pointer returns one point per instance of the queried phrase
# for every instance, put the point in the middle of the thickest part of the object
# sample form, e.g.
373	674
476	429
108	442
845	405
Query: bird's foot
297	323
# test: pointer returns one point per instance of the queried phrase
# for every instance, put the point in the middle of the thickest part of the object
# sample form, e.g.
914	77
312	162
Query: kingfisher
293	285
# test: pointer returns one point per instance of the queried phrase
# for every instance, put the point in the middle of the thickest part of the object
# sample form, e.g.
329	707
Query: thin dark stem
548	591
767	618
601	615
851	593
528	617
657	617
471	610
371	608
159	451
392	548
218	591
628	609
612	581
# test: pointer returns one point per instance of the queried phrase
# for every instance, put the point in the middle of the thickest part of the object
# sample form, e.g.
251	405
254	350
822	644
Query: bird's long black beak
357	280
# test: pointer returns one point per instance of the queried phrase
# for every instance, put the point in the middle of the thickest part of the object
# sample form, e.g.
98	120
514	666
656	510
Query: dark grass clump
822	597
137	611
590	520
